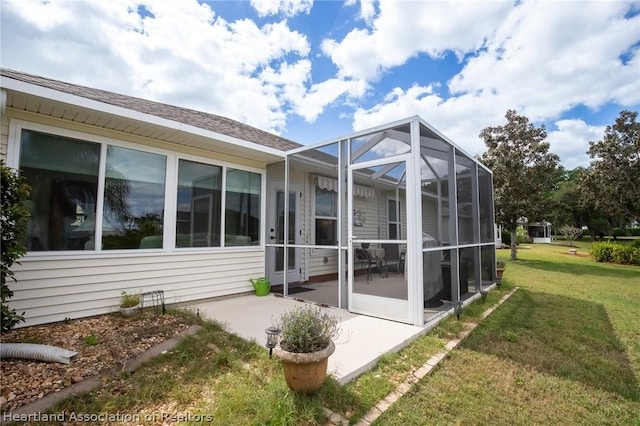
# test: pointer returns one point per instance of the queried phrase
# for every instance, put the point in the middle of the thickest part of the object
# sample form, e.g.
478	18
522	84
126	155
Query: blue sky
312	71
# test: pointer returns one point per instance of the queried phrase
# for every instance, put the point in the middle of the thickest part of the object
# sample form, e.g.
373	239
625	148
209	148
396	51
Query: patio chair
366	261
393	256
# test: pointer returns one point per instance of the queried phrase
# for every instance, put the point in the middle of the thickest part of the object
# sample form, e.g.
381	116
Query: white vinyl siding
54	289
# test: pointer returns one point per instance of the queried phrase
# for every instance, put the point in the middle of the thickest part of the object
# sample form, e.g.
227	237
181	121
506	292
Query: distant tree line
529	182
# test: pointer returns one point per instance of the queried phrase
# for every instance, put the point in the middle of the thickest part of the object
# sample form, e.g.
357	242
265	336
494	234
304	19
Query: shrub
607	251
521	235
635	232
129	300
506	238
307	329
15	217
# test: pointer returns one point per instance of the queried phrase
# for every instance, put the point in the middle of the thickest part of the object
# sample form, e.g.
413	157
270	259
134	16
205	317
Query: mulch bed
104	343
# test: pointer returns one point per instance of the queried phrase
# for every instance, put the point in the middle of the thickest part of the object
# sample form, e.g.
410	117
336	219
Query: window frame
397	222
322	248
16	126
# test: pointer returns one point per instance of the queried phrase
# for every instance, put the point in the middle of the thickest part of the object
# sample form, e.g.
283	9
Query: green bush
14	221
607	251
635	232
506	238
521	235
307	329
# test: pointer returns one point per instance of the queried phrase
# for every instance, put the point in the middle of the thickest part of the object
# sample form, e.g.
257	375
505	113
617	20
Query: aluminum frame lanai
402	187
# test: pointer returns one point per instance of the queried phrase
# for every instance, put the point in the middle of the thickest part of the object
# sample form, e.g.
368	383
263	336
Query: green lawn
564	349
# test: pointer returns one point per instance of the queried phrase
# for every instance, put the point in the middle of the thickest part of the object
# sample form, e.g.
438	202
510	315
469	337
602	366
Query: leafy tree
524	171
572	204
14	220
615	184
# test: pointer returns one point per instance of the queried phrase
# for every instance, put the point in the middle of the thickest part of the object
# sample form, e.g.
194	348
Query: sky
312	71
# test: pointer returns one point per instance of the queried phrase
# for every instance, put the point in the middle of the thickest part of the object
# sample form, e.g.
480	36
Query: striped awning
330	184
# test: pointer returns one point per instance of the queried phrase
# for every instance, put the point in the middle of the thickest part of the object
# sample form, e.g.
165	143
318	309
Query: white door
380	289
275	235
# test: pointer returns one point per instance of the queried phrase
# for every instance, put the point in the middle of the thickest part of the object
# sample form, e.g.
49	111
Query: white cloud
542	58
550	56
571	141
402	30
181	54
285	7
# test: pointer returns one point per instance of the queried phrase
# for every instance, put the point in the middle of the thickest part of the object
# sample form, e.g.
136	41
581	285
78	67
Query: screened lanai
394	222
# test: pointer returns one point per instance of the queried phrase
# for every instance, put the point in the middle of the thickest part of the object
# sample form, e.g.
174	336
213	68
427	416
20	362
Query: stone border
91	383
384	404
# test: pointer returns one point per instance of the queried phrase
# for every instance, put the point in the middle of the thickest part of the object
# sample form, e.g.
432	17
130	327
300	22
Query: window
326	217
63	175
69	176
242	208
198	208
394	228
133	199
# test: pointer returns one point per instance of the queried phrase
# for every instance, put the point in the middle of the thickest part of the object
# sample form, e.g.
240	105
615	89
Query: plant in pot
129	303
305	346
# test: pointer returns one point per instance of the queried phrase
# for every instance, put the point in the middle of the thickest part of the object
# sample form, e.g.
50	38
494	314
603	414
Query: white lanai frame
443	201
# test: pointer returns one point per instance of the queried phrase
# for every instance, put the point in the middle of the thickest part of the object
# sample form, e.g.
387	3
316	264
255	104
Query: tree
571	233
573	206
615	184
14	221
524	171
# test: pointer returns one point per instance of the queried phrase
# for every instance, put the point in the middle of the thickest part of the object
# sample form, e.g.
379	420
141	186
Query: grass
565	348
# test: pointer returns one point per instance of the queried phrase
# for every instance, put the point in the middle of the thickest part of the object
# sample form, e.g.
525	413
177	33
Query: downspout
36	352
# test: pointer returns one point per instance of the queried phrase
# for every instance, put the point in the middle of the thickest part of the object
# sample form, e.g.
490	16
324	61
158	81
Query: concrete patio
362	340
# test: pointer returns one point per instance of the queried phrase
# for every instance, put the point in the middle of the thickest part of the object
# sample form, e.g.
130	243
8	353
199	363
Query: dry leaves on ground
104	343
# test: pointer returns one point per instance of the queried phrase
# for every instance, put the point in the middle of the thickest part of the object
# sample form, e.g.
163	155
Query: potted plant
305	346
500	265
129	303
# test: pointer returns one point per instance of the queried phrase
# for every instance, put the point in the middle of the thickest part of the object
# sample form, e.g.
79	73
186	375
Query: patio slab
362	340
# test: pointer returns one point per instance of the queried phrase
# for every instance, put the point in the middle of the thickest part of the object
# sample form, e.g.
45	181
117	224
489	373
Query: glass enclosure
396	222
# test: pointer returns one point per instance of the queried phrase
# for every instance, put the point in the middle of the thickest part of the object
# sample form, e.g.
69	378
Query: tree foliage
524	171
614	186
14	220
573	205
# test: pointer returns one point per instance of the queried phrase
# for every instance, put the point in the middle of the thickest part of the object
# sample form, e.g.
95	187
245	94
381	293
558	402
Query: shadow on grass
595	269
558	335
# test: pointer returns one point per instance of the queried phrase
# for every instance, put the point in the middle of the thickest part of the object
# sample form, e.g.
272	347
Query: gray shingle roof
203	120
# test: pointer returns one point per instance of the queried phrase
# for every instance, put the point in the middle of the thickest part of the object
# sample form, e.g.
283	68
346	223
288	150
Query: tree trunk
592	231
514	244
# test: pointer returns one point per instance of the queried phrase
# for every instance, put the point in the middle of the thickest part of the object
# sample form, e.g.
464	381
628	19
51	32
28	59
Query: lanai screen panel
316	173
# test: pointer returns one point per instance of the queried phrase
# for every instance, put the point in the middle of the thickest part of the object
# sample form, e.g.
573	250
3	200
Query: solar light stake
272	338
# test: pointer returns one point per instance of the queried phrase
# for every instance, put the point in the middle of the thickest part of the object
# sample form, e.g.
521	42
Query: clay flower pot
305	372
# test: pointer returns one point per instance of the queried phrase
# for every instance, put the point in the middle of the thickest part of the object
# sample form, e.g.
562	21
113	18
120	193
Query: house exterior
137	196
539	232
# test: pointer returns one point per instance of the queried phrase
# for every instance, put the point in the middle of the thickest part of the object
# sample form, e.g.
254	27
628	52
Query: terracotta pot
305	372
499	273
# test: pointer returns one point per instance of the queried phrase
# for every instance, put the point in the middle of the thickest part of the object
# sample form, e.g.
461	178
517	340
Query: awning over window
332	185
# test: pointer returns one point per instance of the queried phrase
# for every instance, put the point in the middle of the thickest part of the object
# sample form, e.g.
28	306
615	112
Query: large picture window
63	175
326	217
134	199
242	208
198	207
75	182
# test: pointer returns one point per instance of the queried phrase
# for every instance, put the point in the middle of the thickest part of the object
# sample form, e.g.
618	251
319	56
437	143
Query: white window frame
171	187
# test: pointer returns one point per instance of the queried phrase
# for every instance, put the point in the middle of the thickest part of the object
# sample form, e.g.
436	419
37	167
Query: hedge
607	251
